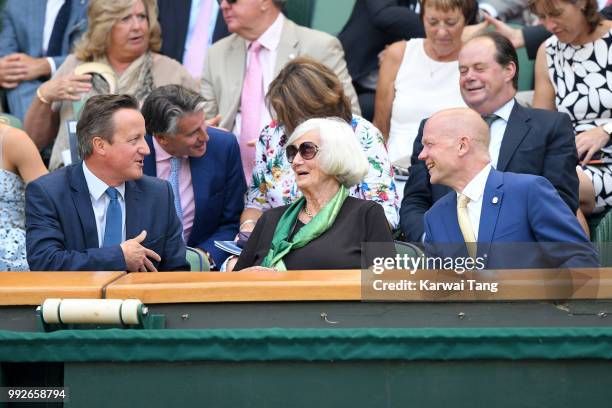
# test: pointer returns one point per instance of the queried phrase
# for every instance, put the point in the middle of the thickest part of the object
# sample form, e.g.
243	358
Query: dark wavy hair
589	11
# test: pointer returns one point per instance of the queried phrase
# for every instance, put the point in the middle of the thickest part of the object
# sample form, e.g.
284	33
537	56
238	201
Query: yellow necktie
465	225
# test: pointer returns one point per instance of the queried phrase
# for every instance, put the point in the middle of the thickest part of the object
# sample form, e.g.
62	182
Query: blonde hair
340	155
102	15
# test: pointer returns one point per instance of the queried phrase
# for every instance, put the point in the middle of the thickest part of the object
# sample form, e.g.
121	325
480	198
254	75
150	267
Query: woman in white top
421	76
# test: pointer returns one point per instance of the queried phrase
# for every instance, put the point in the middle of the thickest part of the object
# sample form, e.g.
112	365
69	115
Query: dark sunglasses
307	150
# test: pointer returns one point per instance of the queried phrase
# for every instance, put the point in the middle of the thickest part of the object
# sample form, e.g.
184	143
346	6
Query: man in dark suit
208	176
531	141
175	18
103	214
372	26
27	55
497	216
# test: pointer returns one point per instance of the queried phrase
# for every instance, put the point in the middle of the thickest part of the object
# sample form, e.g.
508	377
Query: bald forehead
452	122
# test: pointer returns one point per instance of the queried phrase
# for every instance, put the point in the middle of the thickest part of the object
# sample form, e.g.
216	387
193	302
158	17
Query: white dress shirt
267	58
99	202
475	191
497	130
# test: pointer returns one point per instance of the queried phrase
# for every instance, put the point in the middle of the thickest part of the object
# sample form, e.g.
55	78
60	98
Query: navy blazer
61	232
173	18
22	31
517	209
536	141
218	191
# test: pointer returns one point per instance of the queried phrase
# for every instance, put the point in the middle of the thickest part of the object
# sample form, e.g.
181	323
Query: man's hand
12	71
515	35
35	67
136	256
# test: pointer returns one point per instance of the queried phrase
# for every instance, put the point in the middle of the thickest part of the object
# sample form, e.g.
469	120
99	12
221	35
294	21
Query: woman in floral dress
307	89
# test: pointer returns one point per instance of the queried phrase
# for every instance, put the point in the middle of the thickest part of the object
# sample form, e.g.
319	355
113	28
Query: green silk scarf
319	224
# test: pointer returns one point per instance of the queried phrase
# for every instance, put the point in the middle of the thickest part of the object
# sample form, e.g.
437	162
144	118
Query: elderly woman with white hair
324	229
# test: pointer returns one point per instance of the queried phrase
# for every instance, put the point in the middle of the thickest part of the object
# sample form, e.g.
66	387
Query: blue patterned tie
175	166
114	221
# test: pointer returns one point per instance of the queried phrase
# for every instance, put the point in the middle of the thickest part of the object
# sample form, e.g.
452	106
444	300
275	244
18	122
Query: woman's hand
515	35
589	142
69	87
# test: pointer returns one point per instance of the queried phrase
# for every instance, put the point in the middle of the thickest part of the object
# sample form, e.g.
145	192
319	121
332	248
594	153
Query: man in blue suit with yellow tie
102	214
201	163
494	215
36	37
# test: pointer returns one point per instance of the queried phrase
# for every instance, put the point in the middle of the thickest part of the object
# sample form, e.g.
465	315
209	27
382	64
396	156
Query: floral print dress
273	183
582	78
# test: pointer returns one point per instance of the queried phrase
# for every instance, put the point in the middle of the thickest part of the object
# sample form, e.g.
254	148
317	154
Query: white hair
340	154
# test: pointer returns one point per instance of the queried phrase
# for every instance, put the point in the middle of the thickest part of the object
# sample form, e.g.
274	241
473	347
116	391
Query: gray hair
97	119
340	154
166	105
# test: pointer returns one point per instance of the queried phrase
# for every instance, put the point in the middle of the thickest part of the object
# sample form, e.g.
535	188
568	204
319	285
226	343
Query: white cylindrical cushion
103	311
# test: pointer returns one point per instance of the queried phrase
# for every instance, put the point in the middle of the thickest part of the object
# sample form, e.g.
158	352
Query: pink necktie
250	107
198	43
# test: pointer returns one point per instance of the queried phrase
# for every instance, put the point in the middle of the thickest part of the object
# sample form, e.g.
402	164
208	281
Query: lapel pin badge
495	200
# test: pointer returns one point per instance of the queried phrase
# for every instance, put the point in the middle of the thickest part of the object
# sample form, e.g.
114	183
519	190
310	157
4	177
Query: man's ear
99	145
464	145
162	139
509	72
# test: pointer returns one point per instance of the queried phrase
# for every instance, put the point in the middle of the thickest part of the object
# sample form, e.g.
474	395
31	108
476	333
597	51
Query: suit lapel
516	130
150	165
491	204
287	47
201	171
37	11
133	221
450	221
82	202
235	68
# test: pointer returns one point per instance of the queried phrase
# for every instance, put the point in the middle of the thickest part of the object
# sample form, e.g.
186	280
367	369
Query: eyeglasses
228	1
308	150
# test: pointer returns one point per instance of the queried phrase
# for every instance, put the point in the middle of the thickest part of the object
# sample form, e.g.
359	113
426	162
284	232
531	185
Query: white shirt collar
272	36
475	188
96	186
506	109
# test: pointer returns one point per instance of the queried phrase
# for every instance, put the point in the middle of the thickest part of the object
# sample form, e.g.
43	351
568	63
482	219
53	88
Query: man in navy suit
207	178
102	213
500	211
36	36
530	141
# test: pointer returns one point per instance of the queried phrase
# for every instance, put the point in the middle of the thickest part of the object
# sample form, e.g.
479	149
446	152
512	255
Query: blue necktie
114	221
59	28
175	166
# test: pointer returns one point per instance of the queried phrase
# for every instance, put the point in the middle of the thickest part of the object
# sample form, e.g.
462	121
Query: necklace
308	213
